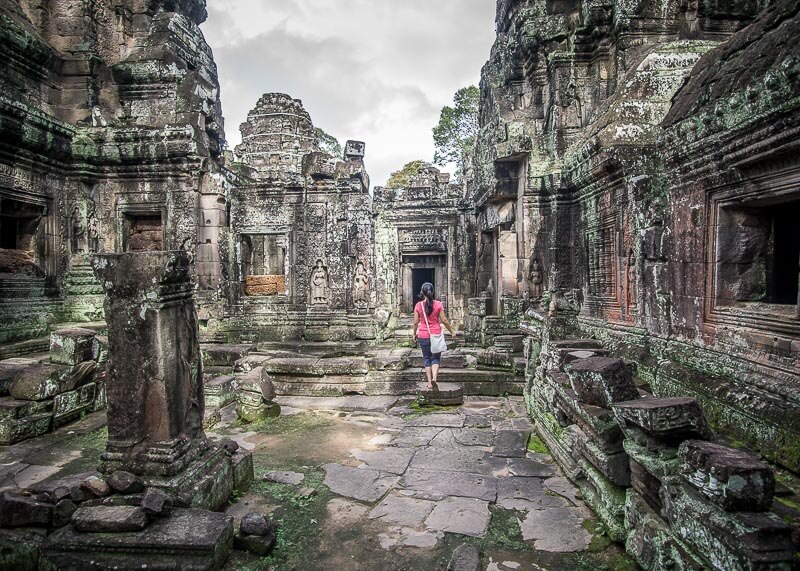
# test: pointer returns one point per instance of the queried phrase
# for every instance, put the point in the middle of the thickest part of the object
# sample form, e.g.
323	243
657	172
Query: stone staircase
84	294
340	369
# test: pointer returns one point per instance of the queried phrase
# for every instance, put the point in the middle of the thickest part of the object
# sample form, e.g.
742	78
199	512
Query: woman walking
428	319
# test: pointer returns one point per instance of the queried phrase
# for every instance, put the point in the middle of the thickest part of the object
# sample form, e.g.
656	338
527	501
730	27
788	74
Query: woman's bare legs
428	374
435	371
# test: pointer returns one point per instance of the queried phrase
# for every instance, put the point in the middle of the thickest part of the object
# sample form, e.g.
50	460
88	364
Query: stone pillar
154	385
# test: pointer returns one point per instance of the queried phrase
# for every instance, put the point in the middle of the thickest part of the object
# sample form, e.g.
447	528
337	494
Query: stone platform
443	394
189	539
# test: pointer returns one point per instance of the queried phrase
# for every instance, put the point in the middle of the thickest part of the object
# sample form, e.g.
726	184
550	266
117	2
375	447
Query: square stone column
154	384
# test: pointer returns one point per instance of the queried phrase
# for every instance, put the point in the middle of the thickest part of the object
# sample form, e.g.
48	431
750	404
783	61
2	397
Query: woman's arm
443	319
416	326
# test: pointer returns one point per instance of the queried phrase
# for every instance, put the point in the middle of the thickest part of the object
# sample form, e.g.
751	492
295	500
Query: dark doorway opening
418	277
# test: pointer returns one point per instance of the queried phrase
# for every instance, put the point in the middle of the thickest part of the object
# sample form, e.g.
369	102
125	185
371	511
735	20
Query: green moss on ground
420	409
503	533
293	424
535	444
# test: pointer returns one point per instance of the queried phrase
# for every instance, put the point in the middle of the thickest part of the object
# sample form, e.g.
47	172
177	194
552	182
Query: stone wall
642	158
423	233
110	141
301	220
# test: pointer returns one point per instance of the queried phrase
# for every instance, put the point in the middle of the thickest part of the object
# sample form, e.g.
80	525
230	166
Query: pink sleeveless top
433	319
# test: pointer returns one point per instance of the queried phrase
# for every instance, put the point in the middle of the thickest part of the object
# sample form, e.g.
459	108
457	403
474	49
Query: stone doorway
416	270
418	277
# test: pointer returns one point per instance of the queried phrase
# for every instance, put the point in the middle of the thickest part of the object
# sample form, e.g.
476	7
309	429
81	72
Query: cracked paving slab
558	530
393	460
465	516
436	484
358	483
402	510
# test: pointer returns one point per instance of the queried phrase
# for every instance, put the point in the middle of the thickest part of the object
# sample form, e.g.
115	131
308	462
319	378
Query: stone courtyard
207	356
382	483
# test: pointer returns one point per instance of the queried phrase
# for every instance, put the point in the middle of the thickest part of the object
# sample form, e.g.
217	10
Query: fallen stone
125	483
109	519
669	419
96	486
733	479
602	381
557	530
24	511
40	381
306	492
257	544
189	539
255	523
511	444
230	446
466	557
262	411
156	502
63	511
358	483
402	510
292	478
466	516
60	493
72	483
243	473
72	345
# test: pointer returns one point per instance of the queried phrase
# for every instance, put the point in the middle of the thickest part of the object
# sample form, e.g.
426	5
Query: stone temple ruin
622	256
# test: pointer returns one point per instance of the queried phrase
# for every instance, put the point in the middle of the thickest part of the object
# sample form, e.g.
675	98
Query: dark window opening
758	254
782	276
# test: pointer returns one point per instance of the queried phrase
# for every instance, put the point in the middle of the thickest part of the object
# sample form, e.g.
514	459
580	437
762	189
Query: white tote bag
438	344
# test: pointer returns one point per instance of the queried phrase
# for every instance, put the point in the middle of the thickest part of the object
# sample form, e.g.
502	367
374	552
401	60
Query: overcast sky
372	70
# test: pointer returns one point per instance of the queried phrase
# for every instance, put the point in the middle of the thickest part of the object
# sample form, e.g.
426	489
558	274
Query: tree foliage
454	136
403	177
328	143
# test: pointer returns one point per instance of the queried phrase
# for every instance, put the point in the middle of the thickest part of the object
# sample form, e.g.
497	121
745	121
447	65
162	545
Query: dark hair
427	294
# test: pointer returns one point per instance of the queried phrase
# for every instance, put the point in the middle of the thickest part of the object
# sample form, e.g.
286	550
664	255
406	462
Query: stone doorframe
439	261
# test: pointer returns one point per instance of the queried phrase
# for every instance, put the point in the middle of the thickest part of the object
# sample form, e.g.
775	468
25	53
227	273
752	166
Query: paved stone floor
374	483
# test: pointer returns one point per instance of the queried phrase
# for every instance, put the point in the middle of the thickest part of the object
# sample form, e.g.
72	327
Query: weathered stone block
24	511
20	548
243	474
725	540
444	394
125	483
106	519
9	369
733	479
262	411
479	306
669	419
219	391
224	355
188	539
20	420
72	345
41	381
602	381
69	405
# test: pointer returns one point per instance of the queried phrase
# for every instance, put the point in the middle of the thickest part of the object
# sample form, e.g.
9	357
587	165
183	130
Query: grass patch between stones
503	533
535	444
420	409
